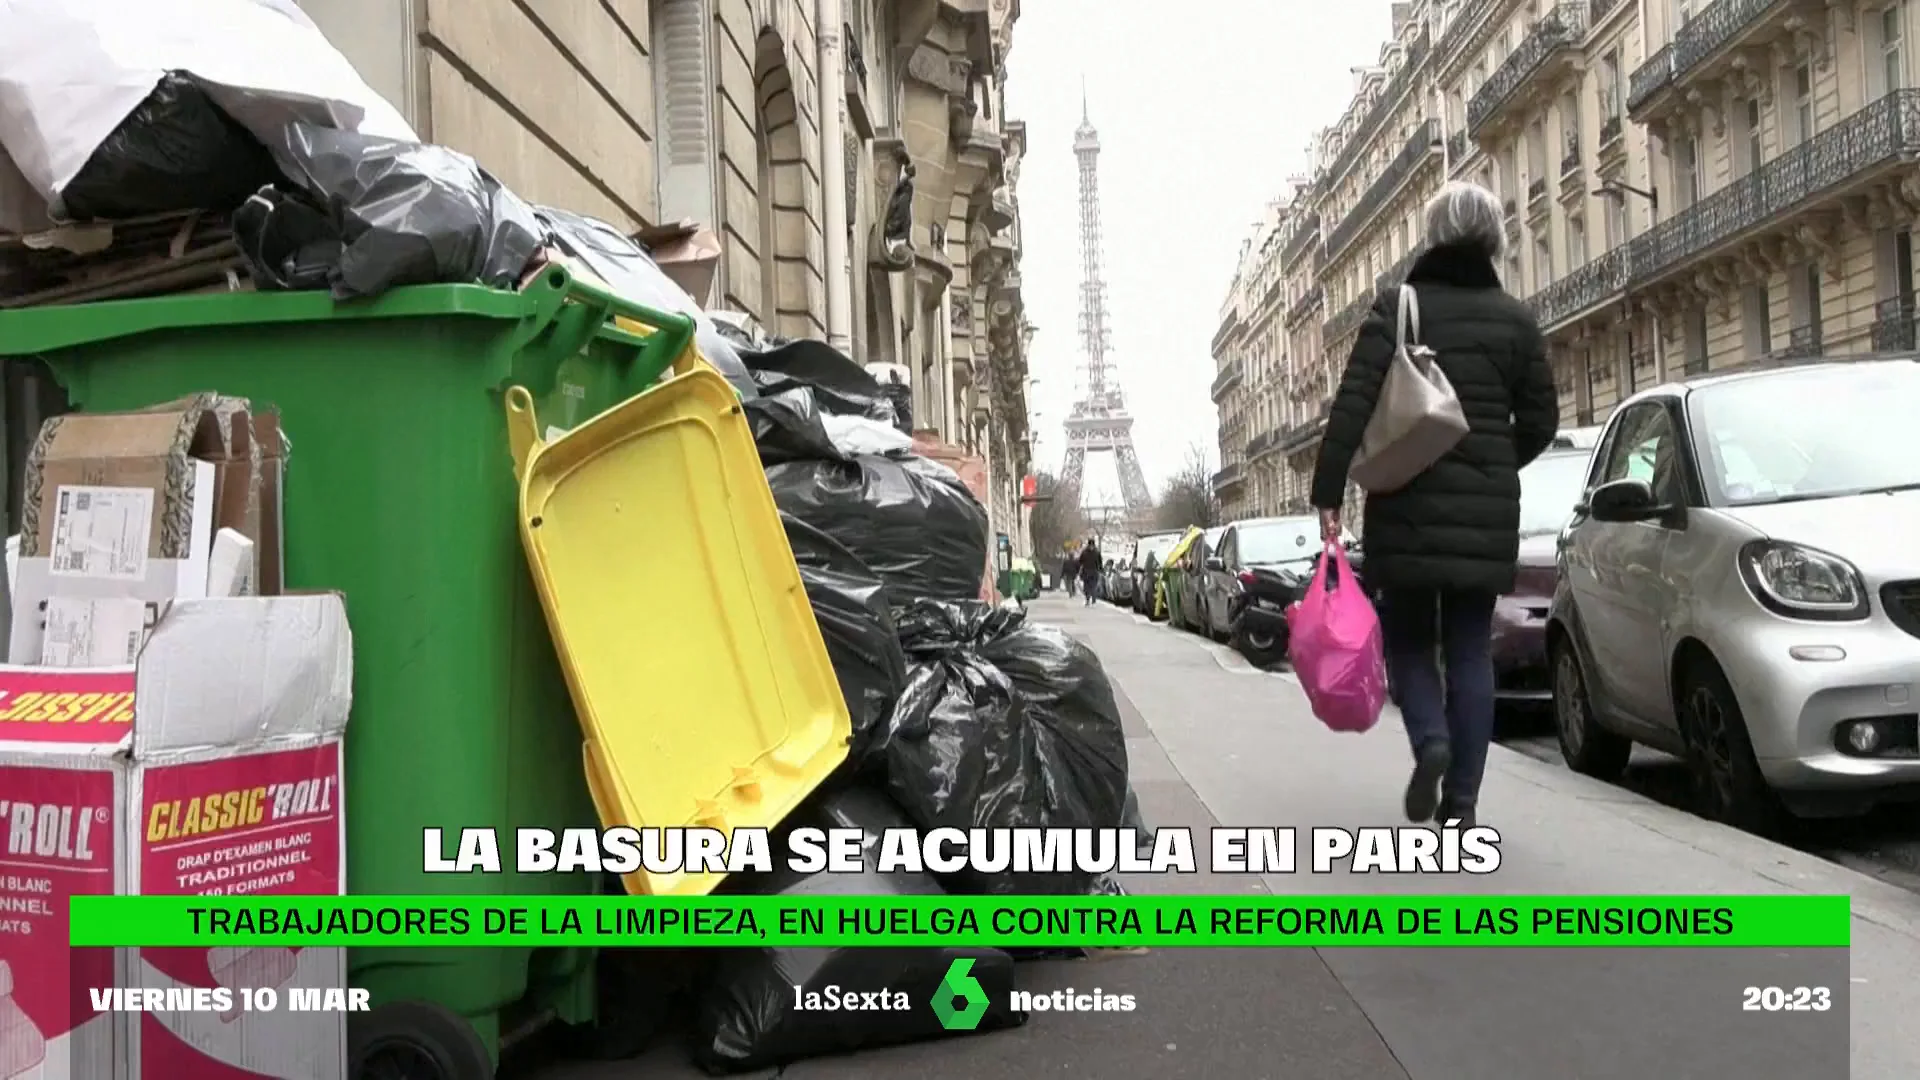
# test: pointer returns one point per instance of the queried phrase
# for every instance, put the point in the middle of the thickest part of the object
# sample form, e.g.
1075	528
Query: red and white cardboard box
211	767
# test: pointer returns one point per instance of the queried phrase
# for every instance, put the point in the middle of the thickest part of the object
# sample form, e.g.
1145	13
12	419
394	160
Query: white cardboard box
212	767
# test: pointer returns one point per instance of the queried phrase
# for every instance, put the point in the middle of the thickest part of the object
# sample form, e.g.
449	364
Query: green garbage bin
400	493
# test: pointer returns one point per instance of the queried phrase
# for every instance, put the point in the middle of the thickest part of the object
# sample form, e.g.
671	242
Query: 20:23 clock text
1786	999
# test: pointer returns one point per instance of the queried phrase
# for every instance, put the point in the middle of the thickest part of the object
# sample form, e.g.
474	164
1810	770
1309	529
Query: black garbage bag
1004	725
406	214
289	244
908	518
851	604
842	387
625	266
746	1017
786	427
176	151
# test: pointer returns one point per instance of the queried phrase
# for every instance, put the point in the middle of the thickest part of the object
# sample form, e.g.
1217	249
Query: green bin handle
579	311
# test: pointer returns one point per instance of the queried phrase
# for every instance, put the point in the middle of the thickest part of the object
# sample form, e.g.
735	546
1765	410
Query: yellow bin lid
699	675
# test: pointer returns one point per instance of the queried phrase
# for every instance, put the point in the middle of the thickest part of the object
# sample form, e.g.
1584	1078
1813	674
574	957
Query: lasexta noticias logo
960	1001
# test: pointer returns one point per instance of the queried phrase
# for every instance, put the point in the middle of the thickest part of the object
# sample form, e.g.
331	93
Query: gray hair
1466	215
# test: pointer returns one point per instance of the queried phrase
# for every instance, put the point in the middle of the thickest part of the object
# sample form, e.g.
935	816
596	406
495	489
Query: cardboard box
212	767
269	555
115	506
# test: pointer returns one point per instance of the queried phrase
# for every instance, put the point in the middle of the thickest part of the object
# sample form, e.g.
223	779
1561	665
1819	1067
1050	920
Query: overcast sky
1204	109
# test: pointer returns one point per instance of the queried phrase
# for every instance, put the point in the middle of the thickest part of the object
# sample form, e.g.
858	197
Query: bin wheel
416	1040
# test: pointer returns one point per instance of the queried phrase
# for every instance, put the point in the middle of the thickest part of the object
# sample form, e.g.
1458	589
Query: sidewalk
1213	741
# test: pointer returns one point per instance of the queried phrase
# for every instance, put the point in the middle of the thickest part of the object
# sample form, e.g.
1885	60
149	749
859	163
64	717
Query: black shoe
1423	788
1449	817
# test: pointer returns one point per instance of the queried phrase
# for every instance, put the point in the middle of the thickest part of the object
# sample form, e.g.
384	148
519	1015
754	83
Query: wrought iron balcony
1228	476
1393	275
1456	148
1721	24
1803	342
1345	321
1413	153
1305	304
1301	435
856	61
1610	131
1470	23
1228	378
1599	9
1303	231
1262	444
1893	325
1558	30
1885	132
1384	107
1650	78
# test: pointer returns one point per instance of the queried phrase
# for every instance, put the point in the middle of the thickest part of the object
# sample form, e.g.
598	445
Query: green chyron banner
1160	922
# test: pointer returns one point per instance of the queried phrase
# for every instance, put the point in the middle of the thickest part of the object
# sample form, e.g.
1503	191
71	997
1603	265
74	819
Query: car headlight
1803	583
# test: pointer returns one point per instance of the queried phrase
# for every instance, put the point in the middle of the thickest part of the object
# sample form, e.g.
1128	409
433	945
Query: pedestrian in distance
1090	567
1443	547
1069	569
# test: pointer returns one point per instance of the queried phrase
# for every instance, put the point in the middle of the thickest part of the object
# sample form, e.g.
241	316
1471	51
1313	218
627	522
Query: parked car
1262	565
1190	613
1550	488
1741	587
1147	553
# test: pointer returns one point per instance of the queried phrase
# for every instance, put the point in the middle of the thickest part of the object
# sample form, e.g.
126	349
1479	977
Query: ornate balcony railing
1471	23
1560	28
1456	148
1229	377
1228	476
1885	131
1893	325
1346	320
1650	78
1393	275
1599	9
1300	435
1299	234
1610	131
1803	342
1419	146
1384	107
1261	444
1305	304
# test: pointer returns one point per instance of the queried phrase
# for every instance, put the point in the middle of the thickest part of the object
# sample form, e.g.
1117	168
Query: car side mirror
1216	563
1620	501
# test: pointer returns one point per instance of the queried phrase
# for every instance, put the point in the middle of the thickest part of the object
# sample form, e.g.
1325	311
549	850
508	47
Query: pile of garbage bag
747	1016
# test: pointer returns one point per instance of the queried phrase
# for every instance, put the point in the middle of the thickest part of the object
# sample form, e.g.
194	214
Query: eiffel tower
1099	422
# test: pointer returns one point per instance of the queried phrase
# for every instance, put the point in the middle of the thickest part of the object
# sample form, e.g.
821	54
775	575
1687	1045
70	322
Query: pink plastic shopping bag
1334	642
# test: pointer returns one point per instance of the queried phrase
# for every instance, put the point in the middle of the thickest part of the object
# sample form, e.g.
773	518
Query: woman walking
1442	548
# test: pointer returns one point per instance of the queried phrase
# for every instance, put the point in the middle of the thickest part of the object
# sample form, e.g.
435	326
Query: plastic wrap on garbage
289	244
629	271
176	151
908	518
406	214
842	387
861	435
746	1017
1004	724
851	604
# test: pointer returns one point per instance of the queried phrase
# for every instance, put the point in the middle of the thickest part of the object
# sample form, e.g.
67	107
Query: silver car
1741	587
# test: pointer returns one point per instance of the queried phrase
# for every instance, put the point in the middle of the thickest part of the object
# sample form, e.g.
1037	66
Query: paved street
1214	741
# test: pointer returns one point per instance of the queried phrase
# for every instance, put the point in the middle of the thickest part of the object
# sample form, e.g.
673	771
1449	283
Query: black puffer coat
1456	527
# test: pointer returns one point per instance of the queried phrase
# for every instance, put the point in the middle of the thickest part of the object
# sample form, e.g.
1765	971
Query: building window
1576	245
1616	219
1804	300
1750	151
1800	80
1682	13
1759	322
1686	171
1542	262
1611	92
1696	341
1892	67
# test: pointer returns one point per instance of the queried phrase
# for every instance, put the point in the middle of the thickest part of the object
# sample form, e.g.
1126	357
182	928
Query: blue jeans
1422	628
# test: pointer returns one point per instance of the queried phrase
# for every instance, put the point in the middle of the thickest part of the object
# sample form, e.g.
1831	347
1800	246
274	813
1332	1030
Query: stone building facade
1691	186
642	112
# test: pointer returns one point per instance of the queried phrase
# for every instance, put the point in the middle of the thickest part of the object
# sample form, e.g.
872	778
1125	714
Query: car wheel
1261	650
1727	774
1587	747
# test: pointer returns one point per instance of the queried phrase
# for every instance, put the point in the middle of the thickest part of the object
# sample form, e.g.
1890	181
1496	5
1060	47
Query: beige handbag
1417	418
